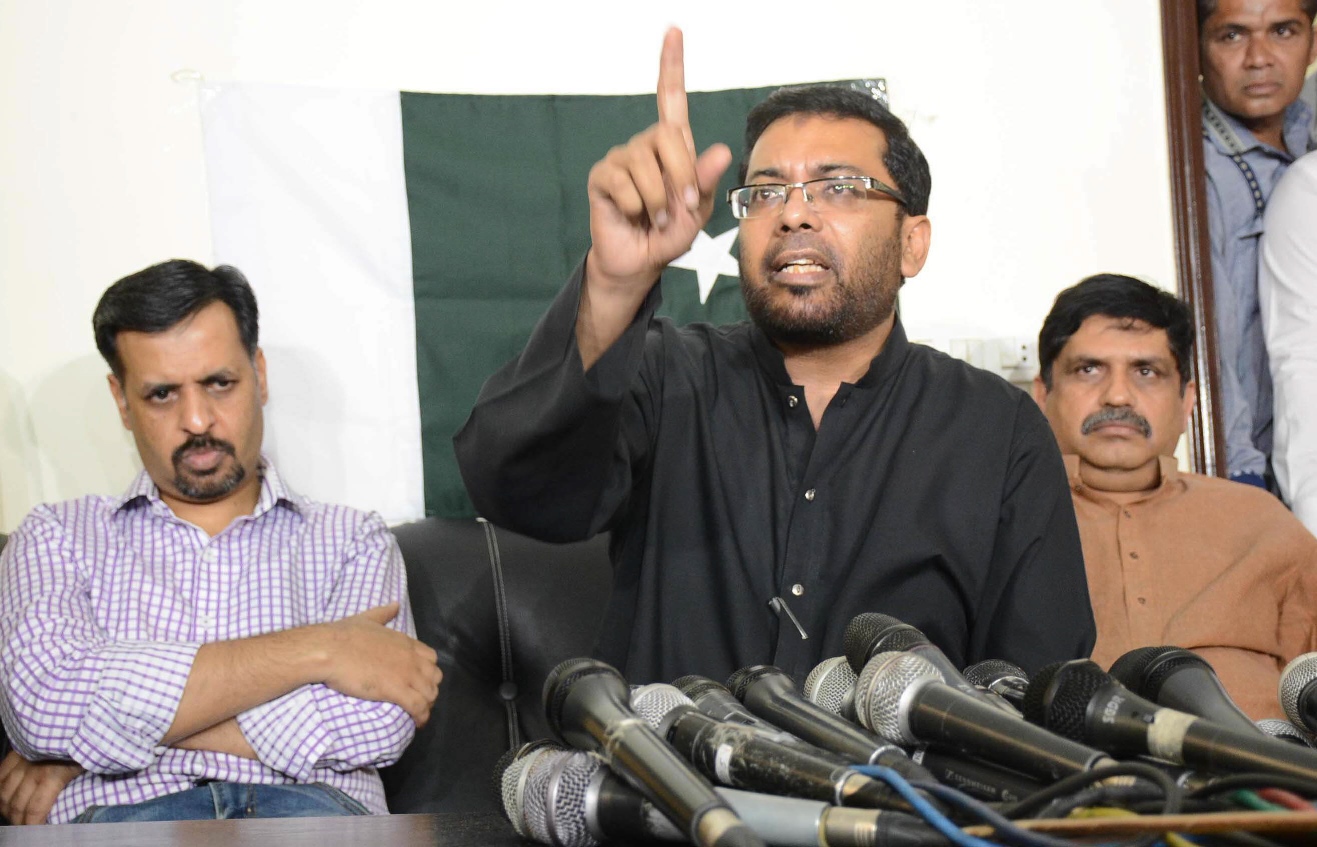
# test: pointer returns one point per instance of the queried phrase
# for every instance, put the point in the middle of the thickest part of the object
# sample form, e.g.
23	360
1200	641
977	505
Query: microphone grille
901	638
1277	728
1144	669
831	684
693	685
1297	674
654	701
569	776
1157	675
1061	707
515	788
861	633
739	681
558	684
508	770
988	671
880	687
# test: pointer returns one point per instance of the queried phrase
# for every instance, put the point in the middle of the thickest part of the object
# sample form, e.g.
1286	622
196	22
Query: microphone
569	799
717	702
831	687
744	757
982	780
1078	700
871	633
1181	680
1005	679
585	701
901	696
769	693
1298	694
1285	731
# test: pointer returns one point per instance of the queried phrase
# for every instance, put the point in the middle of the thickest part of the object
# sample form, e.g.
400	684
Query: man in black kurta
750	521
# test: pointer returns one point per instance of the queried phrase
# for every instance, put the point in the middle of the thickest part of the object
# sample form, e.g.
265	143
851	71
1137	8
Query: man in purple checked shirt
208	644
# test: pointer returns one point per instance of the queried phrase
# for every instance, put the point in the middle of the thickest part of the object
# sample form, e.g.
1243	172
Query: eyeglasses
832	194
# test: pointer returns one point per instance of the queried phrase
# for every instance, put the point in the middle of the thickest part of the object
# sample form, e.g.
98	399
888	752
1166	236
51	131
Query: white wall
1043	122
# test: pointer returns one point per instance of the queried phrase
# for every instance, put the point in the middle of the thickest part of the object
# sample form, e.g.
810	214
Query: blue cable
925	809
1006	830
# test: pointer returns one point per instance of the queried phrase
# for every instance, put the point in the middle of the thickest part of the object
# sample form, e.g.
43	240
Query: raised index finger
672	81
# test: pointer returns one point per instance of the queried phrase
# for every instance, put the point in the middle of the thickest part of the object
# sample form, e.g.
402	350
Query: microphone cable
1172	795
1252	782
1253	801
1006	832
1285	799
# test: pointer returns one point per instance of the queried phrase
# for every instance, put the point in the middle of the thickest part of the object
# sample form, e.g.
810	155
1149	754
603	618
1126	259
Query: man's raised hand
650	197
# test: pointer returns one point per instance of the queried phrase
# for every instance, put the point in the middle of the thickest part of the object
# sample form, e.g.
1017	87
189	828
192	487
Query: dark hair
1207	8
157	298
1115	296
903	159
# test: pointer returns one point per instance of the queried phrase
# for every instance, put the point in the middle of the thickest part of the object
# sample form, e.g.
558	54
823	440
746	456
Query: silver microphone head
1297	674
991	671
831	686
550	787
1286	731
523	802
653	703
887	679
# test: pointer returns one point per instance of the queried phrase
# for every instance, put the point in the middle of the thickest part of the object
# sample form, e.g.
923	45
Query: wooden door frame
1193	260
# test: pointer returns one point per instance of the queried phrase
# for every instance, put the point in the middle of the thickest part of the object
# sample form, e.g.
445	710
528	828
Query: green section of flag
499	219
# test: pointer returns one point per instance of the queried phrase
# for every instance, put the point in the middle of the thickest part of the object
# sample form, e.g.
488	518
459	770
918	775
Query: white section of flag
308	199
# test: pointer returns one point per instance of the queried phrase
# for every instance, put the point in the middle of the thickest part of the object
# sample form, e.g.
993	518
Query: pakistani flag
402	247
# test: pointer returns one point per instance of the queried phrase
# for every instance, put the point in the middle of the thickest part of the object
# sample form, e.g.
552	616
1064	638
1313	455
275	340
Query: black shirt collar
883	366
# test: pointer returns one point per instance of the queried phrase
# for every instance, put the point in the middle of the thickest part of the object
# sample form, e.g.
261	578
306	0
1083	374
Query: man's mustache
202	442
1116	414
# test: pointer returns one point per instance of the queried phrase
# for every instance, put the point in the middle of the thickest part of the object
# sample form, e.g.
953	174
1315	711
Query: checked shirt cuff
287	732
138	689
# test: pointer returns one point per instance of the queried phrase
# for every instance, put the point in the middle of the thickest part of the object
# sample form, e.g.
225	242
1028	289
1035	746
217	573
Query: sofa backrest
554	597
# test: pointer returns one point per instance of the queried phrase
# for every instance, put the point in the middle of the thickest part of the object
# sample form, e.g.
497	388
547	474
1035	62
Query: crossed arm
309	677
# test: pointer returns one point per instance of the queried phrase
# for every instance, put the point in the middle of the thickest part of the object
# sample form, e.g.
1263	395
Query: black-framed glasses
831	193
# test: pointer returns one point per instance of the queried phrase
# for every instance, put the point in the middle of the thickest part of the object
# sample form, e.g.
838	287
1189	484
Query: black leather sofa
501	610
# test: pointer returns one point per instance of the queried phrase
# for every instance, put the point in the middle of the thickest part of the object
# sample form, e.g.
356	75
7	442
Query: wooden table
446	830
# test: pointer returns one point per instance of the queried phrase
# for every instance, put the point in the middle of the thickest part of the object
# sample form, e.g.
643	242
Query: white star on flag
710	258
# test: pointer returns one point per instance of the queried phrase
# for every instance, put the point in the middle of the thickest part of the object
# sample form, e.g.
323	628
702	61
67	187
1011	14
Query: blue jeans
225	800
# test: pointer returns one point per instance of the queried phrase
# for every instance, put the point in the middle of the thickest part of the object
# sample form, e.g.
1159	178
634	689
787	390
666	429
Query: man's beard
207	485
859	299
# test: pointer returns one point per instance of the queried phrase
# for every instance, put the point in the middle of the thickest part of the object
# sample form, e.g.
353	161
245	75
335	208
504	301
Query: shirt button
210	555
1133	555
809	495
792	400
206	621
1143	601
797	589
1127	514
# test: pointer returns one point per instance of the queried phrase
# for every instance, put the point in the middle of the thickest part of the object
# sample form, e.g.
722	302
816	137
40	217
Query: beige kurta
1215	566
